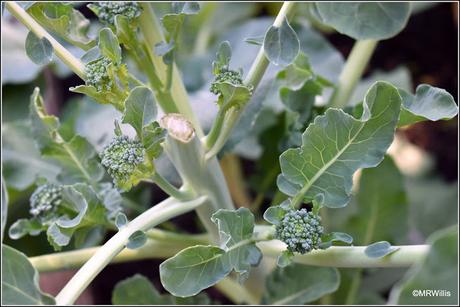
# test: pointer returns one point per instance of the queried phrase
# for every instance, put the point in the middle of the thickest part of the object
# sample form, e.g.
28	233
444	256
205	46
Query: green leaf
199	267
64	20
20	280
437	271
336	145
4	206
297	73
77	157
121	220
102	97
364	20
193	269
380	249
91	55
39	50
329	238
136	240
298	284
223	56
382	209
109	46
125	32
24	227
138	290
428	103
284	259
281	44
274	214
232	95
153	137
140	109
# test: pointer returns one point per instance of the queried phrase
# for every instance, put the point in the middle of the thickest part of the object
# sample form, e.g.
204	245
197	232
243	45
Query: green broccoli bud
231	76
97	74
45	201
121	158
300	230
107	10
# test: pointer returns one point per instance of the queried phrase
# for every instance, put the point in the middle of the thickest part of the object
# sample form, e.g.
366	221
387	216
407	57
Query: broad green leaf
138	290
140	109
364	20
91	55
274	214
236	227
77	156
336	145
193	269
437	271
382	209
20	280
380	249
109	46
136	240
64	20
39	50
281	44
428	103
298	284
199	267
4	206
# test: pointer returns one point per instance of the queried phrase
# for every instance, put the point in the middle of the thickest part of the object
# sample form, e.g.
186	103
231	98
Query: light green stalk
165	210
62	53
352	72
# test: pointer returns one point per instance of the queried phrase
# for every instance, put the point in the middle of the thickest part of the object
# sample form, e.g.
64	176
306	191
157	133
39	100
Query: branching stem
165	210
68	58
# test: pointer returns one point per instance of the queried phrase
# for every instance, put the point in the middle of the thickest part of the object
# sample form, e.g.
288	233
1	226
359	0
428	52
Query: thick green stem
253	78
153	35
352	72
205	177
350	257
162	212
62	53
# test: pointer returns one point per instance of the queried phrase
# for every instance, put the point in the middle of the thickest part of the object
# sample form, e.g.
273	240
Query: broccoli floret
121	158
300	230
106	11
97	74
45	200
231	76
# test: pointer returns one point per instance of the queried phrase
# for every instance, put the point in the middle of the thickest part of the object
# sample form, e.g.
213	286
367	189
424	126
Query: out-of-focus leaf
64	20
337	144
364	20
136	240
298	284
138	290
21	159
39	50
380	249
281	44
153	137
428	103
4	206
20	280
437	273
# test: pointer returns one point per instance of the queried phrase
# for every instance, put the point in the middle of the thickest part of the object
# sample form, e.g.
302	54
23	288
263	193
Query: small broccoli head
45	201
107	10
97	74
230	76
121	158
300	230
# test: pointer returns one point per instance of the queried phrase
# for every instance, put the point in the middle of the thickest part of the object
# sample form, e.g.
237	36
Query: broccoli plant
183	105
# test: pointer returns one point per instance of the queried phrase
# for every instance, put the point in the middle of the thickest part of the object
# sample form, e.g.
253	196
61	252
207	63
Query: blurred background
425	153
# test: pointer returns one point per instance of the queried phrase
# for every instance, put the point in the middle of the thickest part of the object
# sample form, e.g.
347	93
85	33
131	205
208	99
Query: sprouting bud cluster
45	200
97	74
107	10
300	230
231	76
121	158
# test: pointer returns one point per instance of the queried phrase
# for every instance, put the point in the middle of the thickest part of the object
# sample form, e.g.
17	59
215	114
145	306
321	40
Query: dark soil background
427	46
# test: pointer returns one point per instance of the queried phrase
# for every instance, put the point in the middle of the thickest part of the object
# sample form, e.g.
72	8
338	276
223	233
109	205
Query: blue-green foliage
107	10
